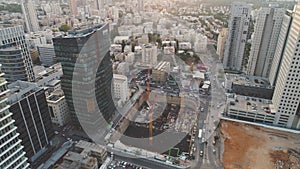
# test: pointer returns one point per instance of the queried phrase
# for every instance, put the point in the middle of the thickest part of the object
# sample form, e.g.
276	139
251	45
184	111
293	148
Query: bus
200	134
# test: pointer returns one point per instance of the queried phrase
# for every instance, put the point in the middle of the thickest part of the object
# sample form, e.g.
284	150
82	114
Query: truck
200	134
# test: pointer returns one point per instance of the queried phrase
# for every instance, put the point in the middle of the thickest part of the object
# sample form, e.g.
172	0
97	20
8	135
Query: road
215	105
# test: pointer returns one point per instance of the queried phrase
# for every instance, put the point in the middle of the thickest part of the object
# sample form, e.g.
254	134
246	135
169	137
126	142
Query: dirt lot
252	147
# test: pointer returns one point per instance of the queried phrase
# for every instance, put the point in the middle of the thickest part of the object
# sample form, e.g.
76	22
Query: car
55	132
202	109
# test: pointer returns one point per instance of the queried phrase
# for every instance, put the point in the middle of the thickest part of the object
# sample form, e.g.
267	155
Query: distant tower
265	38
237	36
99	4
140	5
73	8
30	16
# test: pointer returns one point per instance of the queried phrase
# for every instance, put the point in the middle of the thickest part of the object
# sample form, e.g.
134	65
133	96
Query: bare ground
252	147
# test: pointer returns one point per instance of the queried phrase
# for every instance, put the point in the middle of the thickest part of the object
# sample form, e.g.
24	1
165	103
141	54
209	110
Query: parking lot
115	164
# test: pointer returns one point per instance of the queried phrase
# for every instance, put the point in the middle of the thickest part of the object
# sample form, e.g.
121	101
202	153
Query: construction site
253	147
158	115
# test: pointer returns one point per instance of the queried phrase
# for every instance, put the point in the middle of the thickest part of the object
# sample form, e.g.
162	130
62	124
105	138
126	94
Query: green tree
132	47
64	27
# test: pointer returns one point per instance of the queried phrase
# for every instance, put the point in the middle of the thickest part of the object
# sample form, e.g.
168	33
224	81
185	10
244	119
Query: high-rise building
12	154
73	8
265	38
287	92
221	42
78	53
281	44
30	16
14	55
237	36
30	111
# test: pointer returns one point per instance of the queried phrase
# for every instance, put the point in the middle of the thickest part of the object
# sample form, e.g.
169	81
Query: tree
64	27
123	45
132	47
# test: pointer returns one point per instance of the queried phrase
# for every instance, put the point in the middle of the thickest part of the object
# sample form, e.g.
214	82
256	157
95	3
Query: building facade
149	55
287	92
237	36
265	38
14	55
58	108
281	44
89	49
12	153
121	90
46	54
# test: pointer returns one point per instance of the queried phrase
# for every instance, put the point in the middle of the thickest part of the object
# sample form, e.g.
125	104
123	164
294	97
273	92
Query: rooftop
21	89
81	31
88	146
248	80
163	66
250	104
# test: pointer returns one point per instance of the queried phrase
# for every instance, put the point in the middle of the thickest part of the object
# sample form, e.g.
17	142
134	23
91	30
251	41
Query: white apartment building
237	36
121	90
221	42
12	151
281	44
129	58
58	108
149	55
287	92
265	38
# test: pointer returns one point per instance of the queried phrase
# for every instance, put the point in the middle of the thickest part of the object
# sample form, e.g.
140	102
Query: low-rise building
58	108
185	45
121	90
248	86
161	71
46	54
85	155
